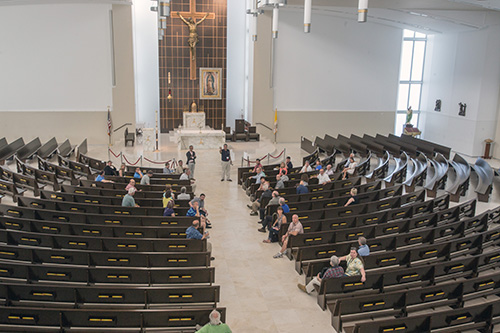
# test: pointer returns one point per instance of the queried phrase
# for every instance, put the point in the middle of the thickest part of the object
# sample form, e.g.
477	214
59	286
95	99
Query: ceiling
427	16
41	2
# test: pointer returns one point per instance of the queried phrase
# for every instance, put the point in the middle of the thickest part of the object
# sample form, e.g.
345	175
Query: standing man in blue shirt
226	163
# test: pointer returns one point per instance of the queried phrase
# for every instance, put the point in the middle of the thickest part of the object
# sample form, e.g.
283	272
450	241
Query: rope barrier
115	154
155	162
275	157
129	161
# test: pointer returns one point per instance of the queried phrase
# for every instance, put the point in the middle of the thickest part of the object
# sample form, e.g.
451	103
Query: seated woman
169	210
257	165
100	178
282	169
167	197
355	265
349	170
122	170
274	229
353	200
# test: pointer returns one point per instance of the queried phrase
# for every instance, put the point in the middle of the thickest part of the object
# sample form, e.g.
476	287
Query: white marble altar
148	139
200	138
193	120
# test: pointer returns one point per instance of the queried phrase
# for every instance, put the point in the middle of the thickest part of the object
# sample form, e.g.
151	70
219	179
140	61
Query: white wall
236	53
146	62
465	68
340	66
55	57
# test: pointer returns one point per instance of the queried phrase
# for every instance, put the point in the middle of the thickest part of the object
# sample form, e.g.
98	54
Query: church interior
250	166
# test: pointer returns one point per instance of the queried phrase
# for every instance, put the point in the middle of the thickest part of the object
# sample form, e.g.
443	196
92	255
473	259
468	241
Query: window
410	77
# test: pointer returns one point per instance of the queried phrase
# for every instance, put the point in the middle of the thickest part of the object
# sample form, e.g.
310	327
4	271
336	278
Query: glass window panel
400	121
419	35
414	119
404	74
408	33
418	61
403	96
414	101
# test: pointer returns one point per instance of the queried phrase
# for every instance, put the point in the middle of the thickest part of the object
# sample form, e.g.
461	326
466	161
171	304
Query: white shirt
184	177
323	179
329	172
306	169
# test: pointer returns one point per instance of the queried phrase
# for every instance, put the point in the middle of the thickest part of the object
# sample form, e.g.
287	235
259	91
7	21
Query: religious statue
463	109
194	107
193	34
409	115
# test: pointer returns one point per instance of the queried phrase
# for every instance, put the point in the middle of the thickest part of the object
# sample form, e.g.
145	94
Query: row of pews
432	267
73	259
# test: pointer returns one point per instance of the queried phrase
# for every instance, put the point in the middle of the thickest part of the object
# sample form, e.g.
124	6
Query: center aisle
260	292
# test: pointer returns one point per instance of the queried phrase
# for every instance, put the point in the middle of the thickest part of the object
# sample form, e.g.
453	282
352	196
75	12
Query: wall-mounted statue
463	109
438	105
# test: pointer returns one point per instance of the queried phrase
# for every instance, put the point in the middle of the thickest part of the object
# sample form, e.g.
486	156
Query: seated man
100	178
289	164
166	168
294	229
183	195
128	200
329	170
283	205
258	177
355	265
180	168
193	233
201	204
275	196
306	168
323	178
146	179
194	210
215	325
257	166
138	173
130	184
302	188
279	183
185	174
267	193
335	271
110	170
363	250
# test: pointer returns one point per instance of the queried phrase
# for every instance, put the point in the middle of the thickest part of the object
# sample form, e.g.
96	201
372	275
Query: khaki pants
191	168
311	284
226	169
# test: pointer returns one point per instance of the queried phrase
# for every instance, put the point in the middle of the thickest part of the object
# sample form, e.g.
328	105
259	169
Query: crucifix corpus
189	18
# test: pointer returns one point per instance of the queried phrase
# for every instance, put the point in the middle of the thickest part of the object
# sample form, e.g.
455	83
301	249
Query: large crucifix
190	18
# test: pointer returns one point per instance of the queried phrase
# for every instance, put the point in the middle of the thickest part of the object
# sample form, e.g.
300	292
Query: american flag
109	123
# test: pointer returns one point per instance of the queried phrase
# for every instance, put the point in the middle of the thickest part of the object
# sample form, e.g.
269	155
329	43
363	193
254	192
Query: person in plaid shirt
335	271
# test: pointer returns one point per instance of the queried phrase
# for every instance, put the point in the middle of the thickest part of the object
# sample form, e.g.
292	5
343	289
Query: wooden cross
195	16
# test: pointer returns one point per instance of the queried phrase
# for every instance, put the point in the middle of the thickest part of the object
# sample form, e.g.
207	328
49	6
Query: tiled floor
259	292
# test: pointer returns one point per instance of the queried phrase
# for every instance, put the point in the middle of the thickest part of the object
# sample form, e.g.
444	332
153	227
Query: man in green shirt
128	199
215	325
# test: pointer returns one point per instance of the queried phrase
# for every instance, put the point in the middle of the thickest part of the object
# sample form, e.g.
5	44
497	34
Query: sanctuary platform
206	138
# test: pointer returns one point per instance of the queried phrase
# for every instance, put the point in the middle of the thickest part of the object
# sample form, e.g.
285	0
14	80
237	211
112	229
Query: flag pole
109	132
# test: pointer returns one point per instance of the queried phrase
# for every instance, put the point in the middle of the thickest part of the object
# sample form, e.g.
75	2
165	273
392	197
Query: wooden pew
418	174
136	220
48	150
437	175
176	187
41	176
81	149
10	150
66	149
59	171
3	143
92	162
399	173
8	187
29	150
485	176
77	167
94	296
22	181
166	320
460	183
307	145
110	192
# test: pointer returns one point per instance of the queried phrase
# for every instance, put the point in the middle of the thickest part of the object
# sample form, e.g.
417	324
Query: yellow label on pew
42	294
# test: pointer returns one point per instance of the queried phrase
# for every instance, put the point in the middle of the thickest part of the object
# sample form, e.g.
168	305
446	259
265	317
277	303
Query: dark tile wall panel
174	56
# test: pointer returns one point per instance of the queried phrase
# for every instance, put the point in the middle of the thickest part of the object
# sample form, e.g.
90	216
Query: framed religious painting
210	83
